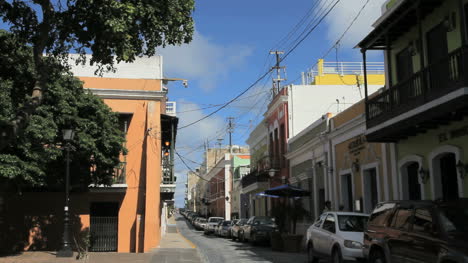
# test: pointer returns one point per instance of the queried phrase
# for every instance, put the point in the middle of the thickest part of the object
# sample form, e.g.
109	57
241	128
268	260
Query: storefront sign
357	145
453	134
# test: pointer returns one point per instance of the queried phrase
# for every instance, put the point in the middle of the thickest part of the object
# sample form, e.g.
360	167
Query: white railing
351	68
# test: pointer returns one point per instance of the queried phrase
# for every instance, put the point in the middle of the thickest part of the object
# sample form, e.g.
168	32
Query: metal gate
103	233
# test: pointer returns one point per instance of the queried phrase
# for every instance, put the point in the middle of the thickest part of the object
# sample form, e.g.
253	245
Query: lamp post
66	249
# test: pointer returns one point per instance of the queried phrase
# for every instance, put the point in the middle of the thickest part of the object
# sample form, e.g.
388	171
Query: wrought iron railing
254	177
432	82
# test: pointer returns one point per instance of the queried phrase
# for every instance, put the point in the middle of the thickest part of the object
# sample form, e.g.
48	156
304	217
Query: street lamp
66	250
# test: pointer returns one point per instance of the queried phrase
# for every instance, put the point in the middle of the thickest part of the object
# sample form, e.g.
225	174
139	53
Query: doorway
104	226
347	192
449	176
437	51
413	187
404	62
370	189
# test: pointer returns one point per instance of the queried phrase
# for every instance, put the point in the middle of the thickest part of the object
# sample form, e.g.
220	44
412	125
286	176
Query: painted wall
429	22
308	103
423	144
139	214
350	147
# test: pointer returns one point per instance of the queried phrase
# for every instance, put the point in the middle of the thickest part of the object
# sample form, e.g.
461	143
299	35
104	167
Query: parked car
337	236
202	223
229	228
211	223
199	222
258	229
216	228
223	228
192	217
418	231
235	229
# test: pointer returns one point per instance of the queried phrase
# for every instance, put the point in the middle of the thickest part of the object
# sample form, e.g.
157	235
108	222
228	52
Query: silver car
338	236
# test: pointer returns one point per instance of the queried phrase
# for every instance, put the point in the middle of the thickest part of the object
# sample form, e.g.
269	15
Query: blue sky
230	51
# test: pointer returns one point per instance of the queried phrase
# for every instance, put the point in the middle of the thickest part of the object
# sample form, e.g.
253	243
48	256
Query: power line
266	73
227	103
188	167
298	25
311	30
341	37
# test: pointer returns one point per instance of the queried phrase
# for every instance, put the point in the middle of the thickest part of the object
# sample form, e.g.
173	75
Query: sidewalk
173	248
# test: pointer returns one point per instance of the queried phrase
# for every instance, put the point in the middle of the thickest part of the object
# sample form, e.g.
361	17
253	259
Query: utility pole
230	130
277	81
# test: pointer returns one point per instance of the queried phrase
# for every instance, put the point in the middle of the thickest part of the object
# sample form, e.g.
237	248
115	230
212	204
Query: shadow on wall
28	226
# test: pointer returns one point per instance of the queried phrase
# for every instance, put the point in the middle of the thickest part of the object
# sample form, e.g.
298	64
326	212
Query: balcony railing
254	177
434	81
120	173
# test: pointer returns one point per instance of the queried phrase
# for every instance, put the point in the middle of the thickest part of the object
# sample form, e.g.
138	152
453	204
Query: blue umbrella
287	190
266	195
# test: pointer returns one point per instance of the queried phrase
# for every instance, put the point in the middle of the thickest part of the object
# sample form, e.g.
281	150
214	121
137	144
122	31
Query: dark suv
418	231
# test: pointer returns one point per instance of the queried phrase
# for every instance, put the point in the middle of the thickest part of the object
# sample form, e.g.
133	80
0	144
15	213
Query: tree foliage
36	158
120	29
111	30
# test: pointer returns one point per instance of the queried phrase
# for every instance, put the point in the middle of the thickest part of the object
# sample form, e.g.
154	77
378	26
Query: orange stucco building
136	92
126	216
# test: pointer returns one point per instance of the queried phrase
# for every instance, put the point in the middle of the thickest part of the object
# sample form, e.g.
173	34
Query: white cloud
203	60
192	137
340	18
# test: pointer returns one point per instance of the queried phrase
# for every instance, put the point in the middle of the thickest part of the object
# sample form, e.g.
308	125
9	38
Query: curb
203	257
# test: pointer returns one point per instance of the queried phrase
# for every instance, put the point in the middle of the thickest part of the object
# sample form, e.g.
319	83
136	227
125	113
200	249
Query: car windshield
242	222
226	223
215	220
352	223
453	219
264	221
203	220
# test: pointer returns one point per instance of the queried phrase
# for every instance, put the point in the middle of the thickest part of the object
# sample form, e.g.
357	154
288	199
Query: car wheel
377	257
241	237
336	256
311	254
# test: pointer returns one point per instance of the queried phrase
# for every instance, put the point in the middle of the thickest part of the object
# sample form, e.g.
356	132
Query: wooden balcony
254	177
431	97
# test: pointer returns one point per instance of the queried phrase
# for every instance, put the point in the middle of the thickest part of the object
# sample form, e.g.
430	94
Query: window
350	223
402	218
380	215
329	224
124	121
422	221
320	220
453	219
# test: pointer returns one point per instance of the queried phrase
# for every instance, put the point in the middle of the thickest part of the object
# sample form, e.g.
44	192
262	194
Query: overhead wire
342	35
266	73
299	24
